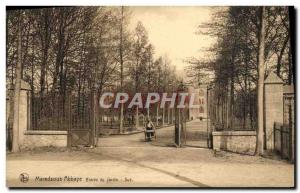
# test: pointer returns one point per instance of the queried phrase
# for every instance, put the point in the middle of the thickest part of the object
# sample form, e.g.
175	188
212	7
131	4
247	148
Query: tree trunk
250	105
279	58
163	116
168	115
137	117
290	67
121	64
291	53
157	114
46	38
231	106
260	86
15	145
137	120
32	69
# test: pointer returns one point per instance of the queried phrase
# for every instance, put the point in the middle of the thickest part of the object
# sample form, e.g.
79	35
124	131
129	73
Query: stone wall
30	138
243	142
45	138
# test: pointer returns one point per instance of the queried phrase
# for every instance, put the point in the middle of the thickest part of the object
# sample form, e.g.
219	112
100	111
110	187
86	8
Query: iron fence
284	133
283	141
234	111
57	112
49	113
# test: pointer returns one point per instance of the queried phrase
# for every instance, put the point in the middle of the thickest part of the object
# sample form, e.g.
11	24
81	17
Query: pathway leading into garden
127	160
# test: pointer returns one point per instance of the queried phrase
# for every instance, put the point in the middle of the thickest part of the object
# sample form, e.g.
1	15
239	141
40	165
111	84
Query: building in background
200	99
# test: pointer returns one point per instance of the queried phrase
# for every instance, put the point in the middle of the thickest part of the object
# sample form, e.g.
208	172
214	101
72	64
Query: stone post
273	107
24	110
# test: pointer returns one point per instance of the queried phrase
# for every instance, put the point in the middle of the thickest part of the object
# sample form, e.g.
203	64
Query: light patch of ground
128	161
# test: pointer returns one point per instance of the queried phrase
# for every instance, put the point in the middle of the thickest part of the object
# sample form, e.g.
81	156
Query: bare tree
260	85
121	67
44	33
139	51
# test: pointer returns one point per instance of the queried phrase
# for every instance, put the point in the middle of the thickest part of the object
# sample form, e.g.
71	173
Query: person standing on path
149	129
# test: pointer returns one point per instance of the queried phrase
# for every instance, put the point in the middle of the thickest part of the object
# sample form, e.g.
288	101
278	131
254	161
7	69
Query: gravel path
128	161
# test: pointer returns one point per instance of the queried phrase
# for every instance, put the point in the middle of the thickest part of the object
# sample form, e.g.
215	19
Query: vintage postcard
150	96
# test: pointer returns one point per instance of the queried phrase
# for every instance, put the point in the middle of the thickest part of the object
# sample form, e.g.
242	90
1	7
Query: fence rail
231	111
56	112
283	141
49	113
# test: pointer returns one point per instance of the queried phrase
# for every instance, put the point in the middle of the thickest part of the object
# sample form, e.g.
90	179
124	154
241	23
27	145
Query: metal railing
283	141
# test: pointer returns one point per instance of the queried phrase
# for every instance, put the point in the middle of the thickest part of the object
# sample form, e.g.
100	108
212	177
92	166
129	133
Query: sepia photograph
150	96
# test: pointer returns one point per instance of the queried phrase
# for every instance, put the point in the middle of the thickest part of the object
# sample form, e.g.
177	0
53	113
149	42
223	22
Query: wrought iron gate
82	123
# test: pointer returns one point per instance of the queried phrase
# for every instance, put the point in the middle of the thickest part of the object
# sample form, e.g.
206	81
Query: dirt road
129	161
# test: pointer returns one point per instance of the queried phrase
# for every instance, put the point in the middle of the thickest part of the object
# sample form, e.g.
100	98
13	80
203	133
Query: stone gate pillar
273	107
24	110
